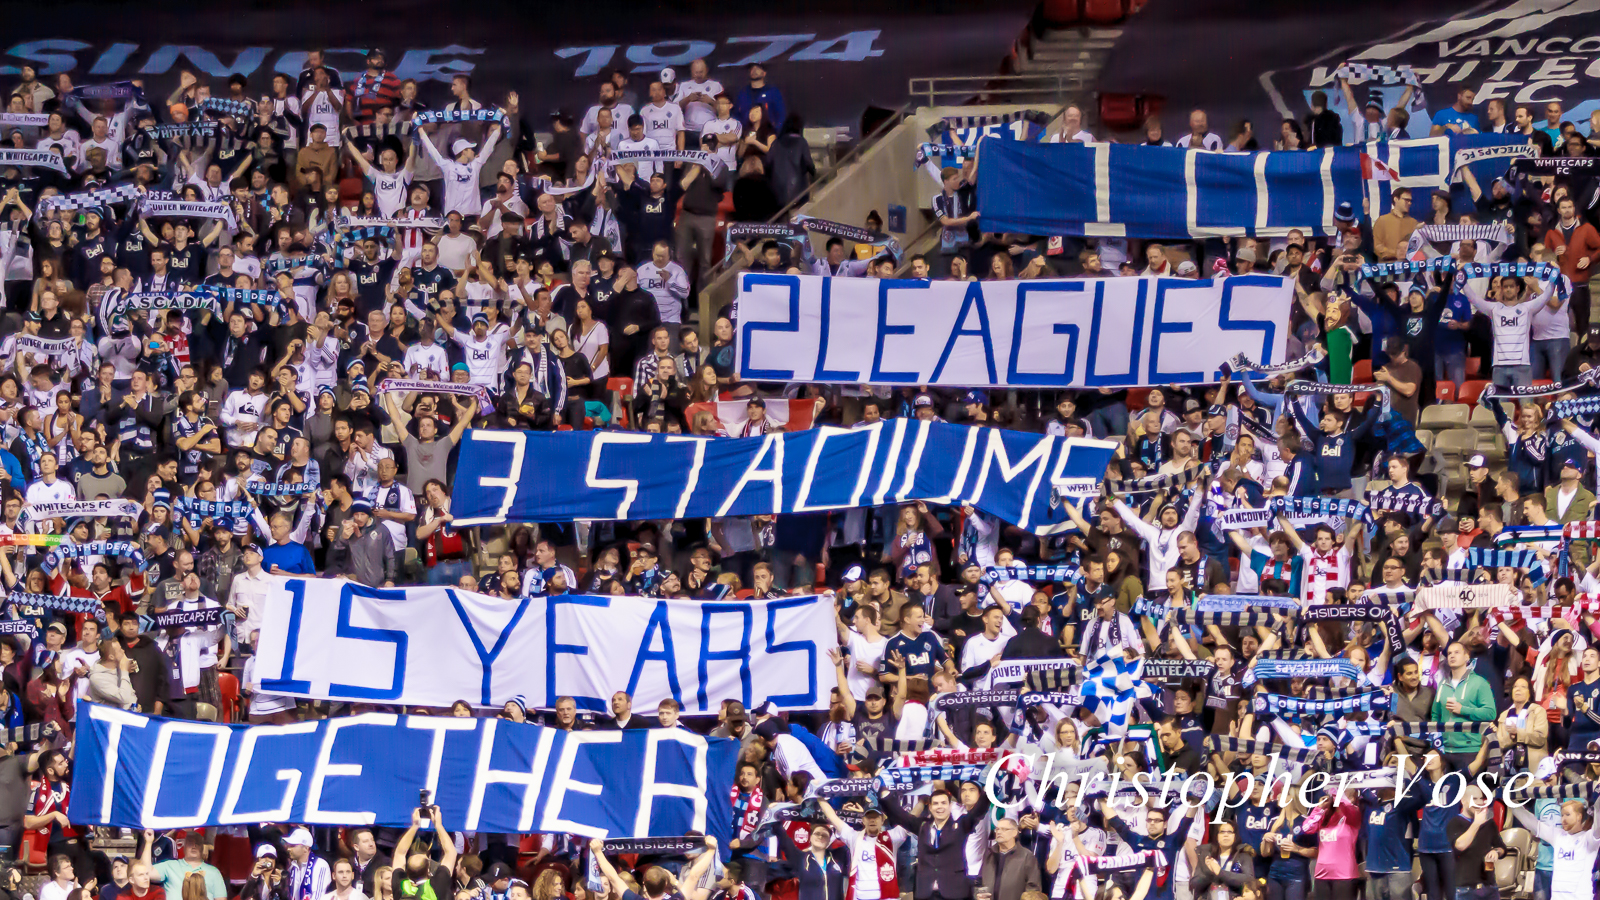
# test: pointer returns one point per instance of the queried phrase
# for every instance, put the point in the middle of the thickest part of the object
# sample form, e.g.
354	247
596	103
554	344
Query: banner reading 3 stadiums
486	775
432	646
543	476
1084	333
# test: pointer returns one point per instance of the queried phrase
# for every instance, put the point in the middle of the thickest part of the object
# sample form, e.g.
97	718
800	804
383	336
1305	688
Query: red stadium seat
350	190
1474	366
1138	399
1105	12
1120	112
32	854
1469	391
1445	391
1062	12
1361	372
228	687
622	391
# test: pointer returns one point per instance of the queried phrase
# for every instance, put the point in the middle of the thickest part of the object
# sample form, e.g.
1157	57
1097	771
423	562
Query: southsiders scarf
279	488
1317	387
20	600
710	161
1360	612
410	385
667	846
747	809
125	549
1294	709
853	233
195	509
1056	573
908	777
41	159
1400	267
974	699
268	297
1307	507
72	509
1242	363
1542	271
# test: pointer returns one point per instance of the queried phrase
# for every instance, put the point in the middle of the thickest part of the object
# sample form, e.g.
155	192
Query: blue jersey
924	653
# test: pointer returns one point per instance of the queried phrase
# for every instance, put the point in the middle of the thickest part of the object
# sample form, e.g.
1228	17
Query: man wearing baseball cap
363	551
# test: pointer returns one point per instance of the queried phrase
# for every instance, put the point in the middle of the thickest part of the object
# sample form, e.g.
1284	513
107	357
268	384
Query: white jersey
696	113
1572	856
728	154
390	191
461	194
322	112
241	410
591	119
669	284
485	357
427	361
644	170
1511	324
662	124
58	491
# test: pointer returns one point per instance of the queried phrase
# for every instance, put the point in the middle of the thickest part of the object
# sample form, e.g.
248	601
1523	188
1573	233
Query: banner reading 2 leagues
1086	333
432	646
486	775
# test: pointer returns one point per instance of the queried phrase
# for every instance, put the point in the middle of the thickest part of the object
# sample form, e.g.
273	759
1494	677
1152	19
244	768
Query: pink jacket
1337	831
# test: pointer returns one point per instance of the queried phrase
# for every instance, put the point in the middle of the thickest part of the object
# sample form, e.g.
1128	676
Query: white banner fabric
1081	333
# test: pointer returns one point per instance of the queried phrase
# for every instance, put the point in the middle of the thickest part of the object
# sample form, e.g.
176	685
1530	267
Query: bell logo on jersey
1376	818
1509	322
1334	448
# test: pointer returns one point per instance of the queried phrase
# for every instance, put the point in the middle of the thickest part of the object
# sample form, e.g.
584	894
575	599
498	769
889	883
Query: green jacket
1477	705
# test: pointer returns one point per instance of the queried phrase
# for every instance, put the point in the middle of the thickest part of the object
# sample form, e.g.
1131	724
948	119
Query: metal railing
713	278
963	90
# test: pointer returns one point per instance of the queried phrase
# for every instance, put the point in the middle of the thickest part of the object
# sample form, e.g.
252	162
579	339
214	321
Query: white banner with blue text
557	476
485	775
432	646
1046	333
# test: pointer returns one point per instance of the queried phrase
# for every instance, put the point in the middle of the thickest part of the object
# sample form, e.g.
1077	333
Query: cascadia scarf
71	509
204	129
90	199
191	209
1217	743
667	846
1242	363
1294	709
1301	668
1170	670
41	159
117	302
125	549
710	161
220	106
407	385
971	699
1173	483
1055	573
1577	757
80	605
485	114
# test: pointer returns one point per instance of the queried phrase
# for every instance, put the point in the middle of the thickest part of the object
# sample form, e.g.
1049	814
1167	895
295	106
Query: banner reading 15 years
1094	332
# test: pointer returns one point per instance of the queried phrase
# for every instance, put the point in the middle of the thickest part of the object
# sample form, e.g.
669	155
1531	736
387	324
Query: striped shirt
1510	324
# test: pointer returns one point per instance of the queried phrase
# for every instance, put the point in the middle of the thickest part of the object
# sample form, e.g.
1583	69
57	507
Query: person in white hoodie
461	174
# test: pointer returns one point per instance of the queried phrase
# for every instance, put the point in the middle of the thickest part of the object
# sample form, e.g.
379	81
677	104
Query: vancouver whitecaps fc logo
1523	52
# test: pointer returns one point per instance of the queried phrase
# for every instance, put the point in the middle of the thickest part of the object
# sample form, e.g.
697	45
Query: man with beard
150	666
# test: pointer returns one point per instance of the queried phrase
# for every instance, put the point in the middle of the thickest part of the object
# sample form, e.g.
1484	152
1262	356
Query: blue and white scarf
1242	363
124	549
203	129
222	512
80	605
268	297
42	159
1393	500
1523	534
1575	408
1223	744
195	209
902	778
1055	573
220	106
116	90
280	489
712	162
1306	507
1300	668
94	198
1294	709
485	114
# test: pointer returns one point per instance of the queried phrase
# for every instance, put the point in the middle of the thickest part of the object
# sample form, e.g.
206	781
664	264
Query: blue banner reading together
1121	190
486	775
532	476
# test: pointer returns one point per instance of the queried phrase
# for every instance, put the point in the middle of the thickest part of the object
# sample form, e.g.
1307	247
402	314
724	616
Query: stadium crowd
544	288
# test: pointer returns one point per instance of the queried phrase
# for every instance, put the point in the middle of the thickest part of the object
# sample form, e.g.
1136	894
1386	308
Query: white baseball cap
460	145
668	76
299	837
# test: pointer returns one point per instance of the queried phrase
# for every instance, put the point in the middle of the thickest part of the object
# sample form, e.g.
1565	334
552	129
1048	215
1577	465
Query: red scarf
885	871
750	817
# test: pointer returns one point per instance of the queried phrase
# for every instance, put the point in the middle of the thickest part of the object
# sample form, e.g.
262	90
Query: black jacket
942	864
